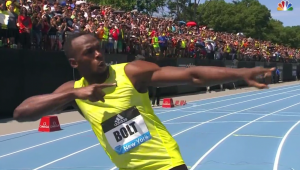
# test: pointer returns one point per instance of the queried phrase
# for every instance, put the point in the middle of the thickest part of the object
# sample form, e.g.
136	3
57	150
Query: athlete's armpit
66	87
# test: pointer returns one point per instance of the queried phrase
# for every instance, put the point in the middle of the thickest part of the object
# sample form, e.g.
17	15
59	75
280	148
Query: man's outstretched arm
154	75
35	107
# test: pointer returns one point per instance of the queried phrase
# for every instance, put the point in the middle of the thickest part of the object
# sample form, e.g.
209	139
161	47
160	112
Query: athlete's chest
117	99
115	103
121	117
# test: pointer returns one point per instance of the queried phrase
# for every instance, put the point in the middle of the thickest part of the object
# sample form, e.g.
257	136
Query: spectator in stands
45	29
52	34
15	4
37	25
3	28
12	29
25	26
136	33
75	26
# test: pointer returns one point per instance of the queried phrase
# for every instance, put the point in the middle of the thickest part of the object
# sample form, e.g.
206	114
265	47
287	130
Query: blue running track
256	130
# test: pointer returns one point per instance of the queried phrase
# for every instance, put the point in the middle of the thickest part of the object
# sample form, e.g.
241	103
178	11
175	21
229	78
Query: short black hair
68	49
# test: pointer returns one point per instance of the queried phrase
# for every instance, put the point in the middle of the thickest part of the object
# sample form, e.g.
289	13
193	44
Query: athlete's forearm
209	76
35	107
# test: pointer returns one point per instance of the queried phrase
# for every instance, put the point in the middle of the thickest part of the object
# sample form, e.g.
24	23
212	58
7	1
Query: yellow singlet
127	128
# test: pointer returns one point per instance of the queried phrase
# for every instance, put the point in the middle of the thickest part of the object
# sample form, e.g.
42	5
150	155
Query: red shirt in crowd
114	33
24	22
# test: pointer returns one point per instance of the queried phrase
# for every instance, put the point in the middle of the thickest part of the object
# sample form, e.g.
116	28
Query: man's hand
92	92
249	75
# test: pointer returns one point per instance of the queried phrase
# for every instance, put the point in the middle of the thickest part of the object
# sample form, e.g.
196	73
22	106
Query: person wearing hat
16	6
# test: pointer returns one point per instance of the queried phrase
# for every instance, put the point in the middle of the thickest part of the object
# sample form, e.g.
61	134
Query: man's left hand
250	74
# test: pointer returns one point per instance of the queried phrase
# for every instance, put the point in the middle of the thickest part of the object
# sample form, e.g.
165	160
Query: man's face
11	8
88	58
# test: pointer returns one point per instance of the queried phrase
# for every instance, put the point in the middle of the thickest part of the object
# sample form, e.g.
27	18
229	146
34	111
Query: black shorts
3	33
163	48
180	167
12	33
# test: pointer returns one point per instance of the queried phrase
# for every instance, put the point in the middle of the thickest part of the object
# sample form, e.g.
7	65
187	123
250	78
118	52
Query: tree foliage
118	4
247	16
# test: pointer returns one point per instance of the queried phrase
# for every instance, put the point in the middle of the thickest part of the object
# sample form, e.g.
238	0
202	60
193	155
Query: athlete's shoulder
119	65
140	72
141	67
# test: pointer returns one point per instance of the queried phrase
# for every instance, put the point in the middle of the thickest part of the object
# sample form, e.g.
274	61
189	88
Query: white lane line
253	111
250	111
162	122
36	129
215	122
199	124
231	114
233	132
226	106
267	91
226	111
256	136
283	114
276	161
225	116
44	143
251	90
221	111
66	156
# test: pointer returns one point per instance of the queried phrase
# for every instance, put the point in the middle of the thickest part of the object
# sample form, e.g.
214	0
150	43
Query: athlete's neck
98	78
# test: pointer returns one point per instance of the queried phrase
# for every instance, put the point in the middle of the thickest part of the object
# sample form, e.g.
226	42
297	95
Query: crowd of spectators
35	24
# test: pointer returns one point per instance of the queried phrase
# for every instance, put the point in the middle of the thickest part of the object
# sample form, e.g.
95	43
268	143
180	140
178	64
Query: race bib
126	130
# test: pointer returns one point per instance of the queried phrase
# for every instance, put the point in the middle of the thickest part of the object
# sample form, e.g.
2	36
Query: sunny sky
289	18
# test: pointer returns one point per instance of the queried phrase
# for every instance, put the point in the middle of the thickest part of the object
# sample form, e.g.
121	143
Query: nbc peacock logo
285	6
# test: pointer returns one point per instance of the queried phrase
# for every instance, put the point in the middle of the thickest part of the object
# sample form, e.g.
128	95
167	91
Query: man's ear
73	62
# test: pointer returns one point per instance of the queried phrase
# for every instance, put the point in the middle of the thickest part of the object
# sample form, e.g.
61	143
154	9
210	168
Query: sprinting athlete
115	101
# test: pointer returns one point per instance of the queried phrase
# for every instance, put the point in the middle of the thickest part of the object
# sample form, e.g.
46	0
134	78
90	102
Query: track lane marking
233	132
277	157
67	156
267	91
162	122
31	147
227	106
256	136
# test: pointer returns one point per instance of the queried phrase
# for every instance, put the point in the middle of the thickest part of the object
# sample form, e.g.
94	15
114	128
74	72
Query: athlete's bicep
68	86
151	74
170	76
